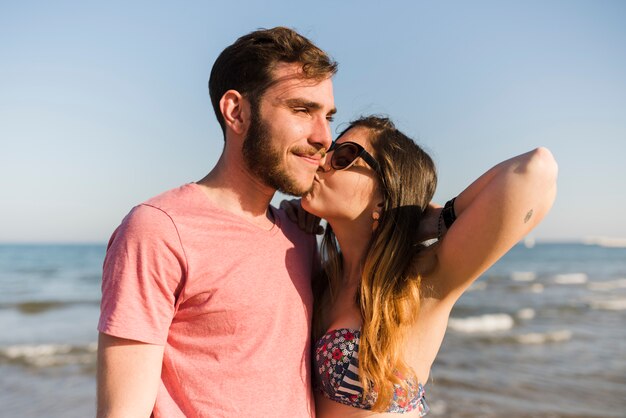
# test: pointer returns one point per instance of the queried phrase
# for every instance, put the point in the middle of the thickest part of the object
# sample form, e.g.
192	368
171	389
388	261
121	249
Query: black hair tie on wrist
447	213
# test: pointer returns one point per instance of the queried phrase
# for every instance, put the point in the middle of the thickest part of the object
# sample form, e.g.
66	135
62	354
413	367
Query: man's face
289	131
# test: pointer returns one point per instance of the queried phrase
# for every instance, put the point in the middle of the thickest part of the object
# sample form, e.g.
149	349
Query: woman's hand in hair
428	227
307	222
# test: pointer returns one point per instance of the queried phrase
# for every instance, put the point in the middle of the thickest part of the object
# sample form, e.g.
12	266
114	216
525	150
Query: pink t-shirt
230	302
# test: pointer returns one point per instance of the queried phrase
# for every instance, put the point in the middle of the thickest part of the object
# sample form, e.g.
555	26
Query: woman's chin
308	204
305	201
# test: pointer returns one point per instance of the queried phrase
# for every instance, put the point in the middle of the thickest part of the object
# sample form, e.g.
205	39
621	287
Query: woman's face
345	194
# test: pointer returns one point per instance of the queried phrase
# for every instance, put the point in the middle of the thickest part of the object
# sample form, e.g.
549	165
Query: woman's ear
236	111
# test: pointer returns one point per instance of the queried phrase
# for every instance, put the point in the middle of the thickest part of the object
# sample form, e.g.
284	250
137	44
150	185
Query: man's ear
236	111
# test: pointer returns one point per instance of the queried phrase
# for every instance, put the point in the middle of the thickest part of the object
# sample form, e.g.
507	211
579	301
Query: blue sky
103	105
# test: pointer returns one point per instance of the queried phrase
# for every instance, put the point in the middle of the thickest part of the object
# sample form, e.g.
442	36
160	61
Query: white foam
608	285
26	351
548	337
571	278
607	242
523	276
477	286
529	242
609	305
438	407
526	313
482	323
46	355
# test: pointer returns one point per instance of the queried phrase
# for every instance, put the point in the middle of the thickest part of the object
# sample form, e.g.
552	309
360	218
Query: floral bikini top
337	367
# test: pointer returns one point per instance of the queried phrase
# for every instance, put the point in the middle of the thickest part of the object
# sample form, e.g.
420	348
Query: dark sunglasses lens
344	155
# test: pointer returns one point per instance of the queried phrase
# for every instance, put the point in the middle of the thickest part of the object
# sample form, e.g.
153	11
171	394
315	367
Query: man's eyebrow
300	102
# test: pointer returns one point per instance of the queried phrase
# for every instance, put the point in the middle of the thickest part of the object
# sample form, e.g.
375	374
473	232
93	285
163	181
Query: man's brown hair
247	64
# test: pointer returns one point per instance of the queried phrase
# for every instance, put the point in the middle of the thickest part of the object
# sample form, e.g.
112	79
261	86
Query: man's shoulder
177	199
184	202
159	213
291	229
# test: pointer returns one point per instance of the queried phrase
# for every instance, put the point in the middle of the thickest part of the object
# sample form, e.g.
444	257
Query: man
207	302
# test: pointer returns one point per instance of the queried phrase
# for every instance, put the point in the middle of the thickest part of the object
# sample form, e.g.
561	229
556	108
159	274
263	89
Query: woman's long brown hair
389	294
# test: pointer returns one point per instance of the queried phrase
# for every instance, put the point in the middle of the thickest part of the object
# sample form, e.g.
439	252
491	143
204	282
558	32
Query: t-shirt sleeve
143	273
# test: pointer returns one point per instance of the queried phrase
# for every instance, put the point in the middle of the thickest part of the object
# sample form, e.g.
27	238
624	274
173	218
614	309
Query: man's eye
301	110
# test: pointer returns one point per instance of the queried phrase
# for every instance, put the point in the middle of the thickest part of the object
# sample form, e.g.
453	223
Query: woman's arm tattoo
528	216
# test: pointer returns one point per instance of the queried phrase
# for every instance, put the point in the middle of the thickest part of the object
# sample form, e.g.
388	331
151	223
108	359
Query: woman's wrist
446	218
448	214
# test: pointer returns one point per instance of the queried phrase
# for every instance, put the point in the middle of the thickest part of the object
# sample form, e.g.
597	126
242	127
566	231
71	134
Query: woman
383	304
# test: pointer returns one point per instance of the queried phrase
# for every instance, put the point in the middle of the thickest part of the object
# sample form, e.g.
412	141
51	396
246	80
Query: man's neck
237	190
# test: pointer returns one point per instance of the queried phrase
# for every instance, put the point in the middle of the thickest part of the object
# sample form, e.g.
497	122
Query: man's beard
264	161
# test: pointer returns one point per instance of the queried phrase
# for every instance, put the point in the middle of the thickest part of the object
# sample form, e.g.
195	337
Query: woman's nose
324	164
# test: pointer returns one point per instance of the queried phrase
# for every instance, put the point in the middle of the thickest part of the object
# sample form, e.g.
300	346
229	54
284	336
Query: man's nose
321	133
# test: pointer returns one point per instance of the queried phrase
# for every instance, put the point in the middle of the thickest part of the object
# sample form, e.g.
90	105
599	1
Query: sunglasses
346	153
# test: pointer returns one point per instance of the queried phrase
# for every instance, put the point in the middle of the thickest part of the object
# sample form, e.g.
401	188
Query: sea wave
40	306
607	285
526	313
606	242
482	323
49	355
543	338
44	271
529	338
608	305
523	276
571	278
482	285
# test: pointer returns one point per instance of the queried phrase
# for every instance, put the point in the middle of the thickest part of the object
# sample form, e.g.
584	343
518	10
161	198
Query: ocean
540	334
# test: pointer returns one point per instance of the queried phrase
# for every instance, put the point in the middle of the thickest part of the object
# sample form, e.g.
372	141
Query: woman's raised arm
493	214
